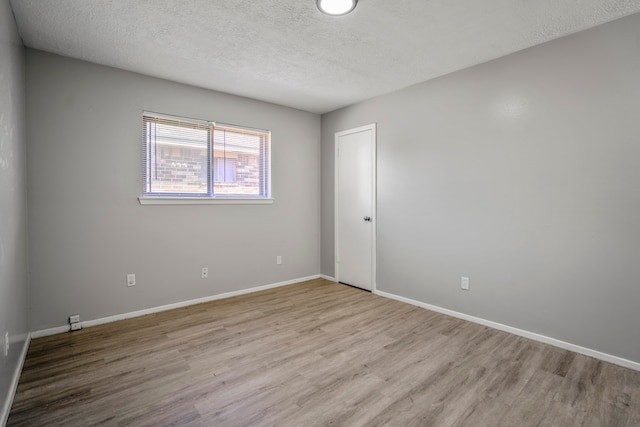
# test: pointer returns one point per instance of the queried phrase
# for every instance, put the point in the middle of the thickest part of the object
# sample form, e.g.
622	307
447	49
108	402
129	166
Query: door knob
367	219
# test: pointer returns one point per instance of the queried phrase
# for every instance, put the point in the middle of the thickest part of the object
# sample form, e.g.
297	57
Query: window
186	158
224	170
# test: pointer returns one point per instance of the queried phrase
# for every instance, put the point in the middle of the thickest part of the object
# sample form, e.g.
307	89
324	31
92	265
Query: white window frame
151	198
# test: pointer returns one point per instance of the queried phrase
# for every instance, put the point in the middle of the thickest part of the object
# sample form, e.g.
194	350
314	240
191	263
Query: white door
355	206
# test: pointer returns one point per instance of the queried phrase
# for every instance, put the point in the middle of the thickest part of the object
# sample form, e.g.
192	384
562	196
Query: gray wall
87	229
13	215
523	174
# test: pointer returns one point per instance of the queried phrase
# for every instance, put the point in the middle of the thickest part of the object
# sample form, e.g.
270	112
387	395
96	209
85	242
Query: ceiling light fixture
336	7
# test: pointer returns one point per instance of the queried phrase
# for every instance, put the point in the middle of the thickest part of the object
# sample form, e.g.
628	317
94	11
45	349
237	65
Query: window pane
239	162
176	158
189	157
224	170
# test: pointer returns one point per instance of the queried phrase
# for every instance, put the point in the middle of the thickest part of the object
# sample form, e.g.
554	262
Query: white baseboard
521	332
51	331
123	316
6	407
325	277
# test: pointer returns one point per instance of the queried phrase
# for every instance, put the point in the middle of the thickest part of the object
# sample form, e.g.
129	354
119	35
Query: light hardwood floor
314	353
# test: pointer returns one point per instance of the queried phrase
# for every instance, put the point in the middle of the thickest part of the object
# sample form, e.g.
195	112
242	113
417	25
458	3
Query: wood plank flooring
314	353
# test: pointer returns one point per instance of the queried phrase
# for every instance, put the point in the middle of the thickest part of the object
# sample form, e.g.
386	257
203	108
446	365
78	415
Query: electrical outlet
76	326
464	283
205	273
131	279
6	344
279	259
74	318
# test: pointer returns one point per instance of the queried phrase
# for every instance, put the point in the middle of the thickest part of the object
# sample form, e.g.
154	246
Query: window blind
196	158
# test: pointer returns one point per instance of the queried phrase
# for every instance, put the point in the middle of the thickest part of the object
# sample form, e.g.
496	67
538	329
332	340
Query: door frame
374	208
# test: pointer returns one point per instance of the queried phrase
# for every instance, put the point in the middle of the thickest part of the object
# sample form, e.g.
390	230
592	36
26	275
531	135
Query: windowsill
202	201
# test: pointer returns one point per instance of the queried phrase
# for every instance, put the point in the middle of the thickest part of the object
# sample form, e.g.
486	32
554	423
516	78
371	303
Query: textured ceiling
288	53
